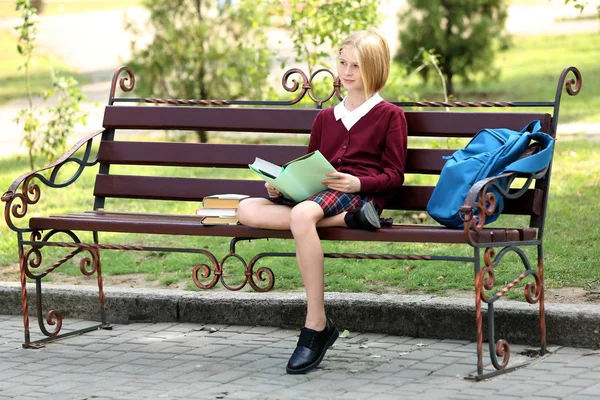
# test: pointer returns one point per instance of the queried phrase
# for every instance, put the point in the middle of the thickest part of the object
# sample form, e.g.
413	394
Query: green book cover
297	179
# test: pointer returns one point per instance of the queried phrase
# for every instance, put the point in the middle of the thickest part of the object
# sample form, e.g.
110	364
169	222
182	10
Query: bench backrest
427	161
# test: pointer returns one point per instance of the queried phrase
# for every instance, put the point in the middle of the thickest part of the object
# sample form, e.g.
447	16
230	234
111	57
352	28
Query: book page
266	168
300	178
216	212
300	158
232	196
306	173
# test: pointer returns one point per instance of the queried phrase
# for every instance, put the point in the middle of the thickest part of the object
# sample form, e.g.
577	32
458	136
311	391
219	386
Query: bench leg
24	299
29	261
478	315
484	280
96	252
543	344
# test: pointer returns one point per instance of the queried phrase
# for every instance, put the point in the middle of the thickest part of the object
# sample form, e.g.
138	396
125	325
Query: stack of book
220	209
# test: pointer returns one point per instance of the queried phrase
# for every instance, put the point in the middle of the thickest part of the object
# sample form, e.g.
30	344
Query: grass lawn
570	251
529	71
12	81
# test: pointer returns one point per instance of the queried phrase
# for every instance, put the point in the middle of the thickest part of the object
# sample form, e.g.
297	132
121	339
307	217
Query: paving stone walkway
191	361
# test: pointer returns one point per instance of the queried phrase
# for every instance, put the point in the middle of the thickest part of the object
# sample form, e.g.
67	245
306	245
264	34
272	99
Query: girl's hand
342	182
272	191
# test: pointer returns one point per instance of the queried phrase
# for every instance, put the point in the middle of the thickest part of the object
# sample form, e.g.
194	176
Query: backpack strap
533	126
538	161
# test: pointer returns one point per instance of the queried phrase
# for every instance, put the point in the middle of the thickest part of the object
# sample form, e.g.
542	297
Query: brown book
222	200
219	221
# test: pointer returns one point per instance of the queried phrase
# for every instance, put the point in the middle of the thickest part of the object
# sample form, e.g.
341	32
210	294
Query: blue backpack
491	152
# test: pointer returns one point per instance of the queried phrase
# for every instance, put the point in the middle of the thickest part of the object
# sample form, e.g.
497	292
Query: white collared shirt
349	118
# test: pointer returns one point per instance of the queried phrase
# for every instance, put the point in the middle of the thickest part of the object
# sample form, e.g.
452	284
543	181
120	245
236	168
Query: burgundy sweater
374	149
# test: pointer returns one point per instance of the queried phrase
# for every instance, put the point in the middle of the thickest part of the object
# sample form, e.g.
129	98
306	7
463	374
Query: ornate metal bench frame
24	192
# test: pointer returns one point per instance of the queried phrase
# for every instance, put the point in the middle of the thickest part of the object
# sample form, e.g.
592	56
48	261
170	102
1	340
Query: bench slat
184	225
195	154
423	161
168	188
194	189
467	124
412	197
430	124
209	118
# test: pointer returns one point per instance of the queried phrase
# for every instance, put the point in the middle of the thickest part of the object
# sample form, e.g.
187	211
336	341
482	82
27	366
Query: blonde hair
373	55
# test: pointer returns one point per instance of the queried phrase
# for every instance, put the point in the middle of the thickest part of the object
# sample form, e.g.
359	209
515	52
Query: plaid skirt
331	201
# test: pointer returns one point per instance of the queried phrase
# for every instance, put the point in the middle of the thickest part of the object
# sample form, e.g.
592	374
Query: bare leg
302	220
335	221
309	255
262	213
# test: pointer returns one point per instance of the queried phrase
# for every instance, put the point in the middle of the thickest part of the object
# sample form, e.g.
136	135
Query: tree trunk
449	85
38	5
202	136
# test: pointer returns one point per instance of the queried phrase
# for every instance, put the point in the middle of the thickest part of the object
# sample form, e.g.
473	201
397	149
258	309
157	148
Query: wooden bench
277	117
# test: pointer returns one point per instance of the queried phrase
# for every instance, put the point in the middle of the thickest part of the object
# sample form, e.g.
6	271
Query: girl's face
349	71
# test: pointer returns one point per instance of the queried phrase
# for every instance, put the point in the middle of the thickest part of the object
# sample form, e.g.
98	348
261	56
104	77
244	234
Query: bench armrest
481	202
30	193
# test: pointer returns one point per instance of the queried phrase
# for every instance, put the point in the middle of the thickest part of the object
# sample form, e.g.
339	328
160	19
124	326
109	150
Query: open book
297	179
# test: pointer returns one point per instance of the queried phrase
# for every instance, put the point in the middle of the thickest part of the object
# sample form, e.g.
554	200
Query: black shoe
311	348
365	217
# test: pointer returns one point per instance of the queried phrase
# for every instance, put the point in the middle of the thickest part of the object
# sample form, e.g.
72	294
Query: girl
364	138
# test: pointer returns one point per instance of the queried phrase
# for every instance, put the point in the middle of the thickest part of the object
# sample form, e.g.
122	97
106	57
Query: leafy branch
46	139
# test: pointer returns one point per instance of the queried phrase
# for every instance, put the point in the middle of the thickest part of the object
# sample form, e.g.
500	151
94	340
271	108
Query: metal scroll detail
87	266
532	290
263	279
254	279
31	260
17	204
127	83
481	200
307	86
485	280
203	271
572	87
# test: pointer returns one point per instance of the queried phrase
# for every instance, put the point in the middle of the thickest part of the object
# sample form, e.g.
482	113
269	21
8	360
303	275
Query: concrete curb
421	316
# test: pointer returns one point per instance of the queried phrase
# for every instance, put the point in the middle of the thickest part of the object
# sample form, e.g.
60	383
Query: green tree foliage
45	131
317	27
464	33
203	49
65	114
583	4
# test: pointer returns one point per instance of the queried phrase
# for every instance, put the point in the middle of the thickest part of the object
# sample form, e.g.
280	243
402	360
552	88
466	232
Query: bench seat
104	221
